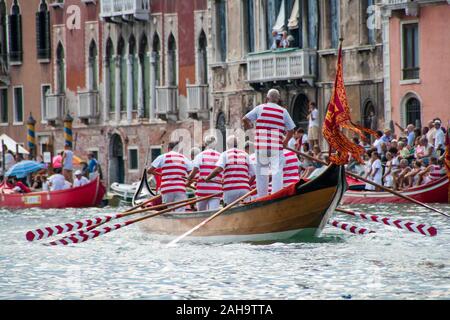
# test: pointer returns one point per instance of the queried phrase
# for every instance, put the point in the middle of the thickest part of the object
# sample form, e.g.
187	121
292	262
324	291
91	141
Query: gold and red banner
338	117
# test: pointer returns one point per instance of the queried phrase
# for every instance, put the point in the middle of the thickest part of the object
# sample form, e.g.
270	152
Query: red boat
434	192
89	195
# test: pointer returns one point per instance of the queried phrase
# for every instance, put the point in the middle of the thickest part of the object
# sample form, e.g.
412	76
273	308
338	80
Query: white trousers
173	197
232	195
269	164
210	204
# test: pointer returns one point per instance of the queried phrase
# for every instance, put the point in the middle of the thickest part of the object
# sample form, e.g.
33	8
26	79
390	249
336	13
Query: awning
11	144
293	20
279	24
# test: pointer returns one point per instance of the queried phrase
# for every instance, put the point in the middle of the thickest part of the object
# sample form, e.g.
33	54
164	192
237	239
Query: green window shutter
43	34
112	85
123	80
4	106
15	38
146	90
135	81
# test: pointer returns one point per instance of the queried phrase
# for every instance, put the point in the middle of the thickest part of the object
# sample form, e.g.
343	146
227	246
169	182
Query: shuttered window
133	159
15	34
43	32
3	33
221	29
4	105
18	104
410	51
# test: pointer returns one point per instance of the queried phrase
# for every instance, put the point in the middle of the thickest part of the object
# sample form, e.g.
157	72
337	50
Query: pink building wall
434	60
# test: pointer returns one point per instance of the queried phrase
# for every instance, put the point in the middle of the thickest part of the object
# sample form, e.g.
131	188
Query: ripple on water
128	264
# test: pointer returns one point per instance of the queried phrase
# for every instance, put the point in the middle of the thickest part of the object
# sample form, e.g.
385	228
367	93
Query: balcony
281	65
197	100
166	100
88	105
55	107
411	7
117	10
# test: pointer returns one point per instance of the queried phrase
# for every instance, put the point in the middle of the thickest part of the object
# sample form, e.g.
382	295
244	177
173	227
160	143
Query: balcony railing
197	98
166	100
88	105
55	107
280	65
411	7
140	9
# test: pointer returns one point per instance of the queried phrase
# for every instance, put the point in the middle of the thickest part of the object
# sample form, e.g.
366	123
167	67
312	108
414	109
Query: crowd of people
59	176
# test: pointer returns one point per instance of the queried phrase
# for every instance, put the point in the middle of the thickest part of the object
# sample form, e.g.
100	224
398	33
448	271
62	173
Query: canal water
128	264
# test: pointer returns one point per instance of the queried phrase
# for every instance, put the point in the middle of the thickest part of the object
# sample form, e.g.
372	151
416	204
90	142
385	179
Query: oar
85	236
423	229
48	232
173	242
349	228
374	184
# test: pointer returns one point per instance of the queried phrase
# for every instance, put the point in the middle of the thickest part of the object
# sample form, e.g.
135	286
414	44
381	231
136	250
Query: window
111	74
249	27
3	33
412	110
272	12
156	54
144	61
410	34
4	105
60	70
93	78
334	19
221	30
133	65
45	89
18	105
172	61
202	59
15	34
43	32
155	153
133	163
123	74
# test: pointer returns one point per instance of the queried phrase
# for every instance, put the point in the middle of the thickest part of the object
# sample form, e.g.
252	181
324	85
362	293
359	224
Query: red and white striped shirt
206	163
272	121
237	169
291	168
436	172
174	170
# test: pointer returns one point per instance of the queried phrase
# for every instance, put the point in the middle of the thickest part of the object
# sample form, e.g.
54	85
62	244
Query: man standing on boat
174	170
204	163
274	129
237	171
67	162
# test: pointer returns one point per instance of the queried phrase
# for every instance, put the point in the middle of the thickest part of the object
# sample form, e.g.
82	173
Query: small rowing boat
297	212
89	195
434	192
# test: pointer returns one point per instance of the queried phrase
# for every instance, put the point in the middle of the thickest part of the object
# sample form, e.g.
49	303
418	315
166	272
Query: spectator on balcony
276	40
284	40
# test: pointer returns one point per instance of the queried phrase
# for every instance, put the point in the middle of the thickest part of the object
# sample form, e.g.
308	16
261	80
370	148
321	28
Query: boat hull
435	192
303	215
89	195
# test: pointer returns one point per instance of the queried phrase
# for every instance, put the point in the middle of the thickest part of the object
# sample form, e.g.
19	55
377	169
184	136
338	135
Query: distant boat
89	195
434	192
297	212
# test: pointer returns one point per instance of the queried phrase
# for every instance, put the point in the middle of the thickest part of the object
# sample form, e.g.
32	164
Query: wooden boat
434	192
89	195
297	212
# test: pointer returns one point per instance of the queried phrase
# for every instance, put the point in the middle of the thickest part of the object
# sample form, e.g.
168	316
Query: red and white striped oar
350	228
83	236
48	232
423	229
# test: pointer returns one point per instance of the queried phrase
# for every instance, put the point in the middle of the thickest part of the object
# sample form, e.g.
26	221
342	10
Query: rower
204	163
272	122
237	171
174	170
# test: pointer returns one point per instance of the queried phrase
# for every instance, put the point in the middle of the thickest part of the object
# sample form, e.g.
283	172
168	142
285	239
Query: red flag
338	117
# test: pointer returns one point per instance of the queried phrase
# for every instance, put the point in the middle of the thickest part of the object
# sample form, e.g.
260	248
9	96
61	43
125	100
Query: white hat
437	122
78	172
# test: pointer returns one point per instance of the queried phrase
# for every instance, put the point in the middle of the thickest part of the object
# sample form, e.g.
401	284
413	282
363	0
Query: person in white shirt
313	126
57	181
79	180
9	159
378	142
376	174
439	138
67	160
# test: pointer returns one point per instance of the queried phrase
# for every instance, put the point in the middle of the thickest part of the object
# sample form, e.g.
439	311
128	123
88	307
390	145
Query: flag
338	117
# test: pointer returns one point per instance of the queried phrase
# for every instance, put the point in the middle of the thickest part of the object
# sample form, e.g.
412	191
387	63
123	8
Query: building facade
416	67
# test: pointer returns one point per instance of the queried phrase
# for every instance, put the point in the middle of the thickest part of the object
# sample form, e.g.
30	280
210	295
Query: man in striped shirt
274	129
237	171
174	170
204	163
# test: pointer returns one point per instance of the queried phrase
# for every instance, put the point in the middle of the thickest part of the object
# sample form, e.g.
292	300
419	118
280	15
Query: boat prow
300	211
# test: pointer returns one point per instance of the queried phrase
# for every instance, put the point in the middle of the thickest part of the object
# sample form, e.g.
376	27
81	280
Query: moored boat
299	211
434	192
89	195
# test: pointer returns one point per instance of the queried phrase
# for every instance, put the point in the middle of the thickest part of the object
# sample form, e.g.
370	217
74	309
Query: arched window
122	69
369	117
202	59
43	31
60	69
93	73
15	33
172	61
156	53
144	60
412	112
3	33
134	70
111	74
